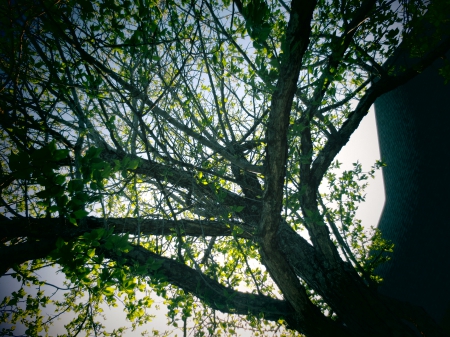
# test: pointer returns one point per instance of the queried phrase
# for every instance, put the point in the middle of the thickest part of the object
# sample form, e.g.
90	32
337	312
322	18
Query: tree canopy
179	146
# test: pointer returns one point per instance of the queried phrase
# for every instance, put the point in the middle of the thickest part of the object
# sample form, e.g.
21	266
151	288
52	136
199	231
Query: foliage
179	148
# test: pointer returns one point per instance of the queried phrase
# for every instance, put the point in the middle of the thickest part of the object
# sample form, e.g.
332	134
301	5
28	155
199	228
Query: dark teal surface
413	124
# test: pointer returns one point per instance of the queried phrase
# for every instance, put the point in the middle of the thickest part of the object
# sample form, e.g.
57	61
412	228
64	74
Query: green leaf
60	242
109	291
59	179
91	252
97	163
75	185
60	154
133	164
43	194
98	233
92	152
239	209
81	213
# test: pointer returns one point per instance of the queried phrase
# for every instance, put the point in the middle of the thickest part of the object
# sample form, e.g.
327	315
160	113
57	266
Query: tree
181	145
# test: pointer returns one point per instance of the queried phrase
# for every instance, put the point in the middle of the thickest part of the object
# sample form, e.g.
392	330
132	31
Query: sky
362	147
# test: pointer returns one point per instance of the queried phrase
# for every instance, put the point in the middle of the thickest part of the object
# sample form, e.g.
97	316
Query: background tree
196	135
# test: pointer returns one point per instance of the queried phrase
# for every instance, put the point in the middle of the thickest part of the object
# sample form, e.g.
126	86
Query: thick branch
186	180
22	252
42	228
297	40
339	284
384	85
216	295
225	299
318	232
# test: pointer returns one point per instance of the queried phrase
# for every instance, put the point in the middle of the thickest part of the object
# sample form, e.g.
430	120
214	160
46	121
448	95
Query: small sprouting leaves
345	192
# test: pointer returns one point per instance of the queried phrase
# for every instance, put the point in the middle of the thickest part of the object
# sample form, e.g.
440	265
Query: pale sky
363	147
